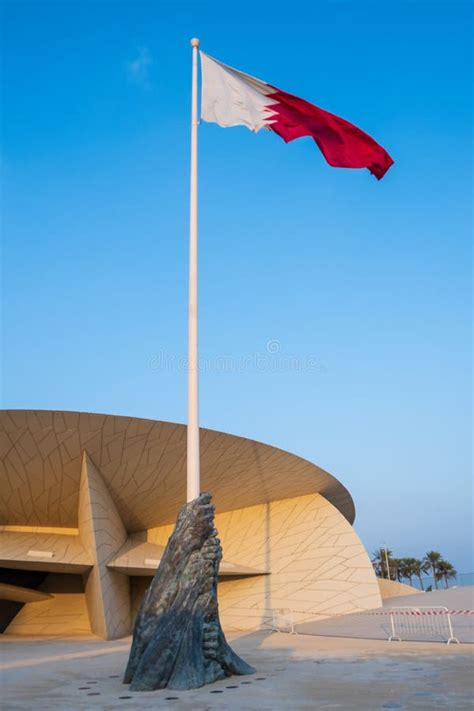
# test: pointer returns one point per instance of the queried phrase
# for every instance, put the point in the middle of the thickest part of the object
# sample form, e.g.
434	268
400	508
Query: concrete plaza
375	624
293	672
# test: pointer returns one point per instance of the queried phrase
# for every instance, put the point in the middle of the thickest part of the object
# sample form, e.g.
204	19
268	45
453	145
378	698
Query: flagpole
193	475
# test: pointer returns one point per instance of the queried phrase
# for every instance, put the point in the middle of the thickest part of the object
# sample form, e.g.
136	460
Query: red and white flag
232	98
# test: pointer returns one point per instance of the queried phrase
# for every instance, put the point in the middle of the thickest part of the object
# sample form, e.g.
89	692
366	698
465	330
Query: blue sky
335	310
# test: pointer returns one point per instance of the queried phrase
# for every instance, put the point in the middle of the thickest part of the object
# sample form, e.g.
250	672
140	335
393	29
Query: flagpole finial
194	42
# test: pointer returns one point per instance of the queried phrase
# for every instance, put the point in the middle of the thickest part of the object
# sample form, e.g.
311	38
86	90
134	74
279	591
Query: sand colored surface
392	588
293	672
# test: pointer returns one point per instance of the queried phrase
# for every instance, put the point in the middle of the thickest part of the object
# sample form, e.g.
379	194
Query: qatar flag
232	98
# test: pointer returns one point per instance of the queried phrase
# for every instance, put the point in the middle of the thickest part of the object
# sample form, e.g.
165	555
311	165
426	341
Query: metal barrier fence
421	623
283	620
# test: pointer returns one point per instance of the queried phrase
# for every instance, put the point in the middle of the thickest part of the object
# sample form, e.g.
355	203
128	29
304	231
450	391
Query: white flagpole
193	476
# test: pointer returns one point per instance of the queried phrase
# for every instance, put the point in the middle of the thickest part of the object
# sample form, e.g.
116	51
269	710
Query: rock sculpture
178	641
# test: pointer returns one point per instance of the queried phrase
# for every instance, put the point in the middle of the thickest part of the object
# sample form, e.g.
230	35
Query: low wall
391	588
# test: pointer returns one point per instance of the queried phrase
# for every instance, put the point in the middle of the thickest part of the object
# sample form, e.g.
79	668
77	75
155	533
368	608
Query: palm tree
407	568
420	567
377	568
445	570
396	568
379	561
432	558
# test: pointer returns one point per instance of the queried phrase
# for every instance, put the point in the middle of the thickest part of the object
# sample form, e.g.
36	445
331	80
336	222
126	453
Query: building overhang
143	465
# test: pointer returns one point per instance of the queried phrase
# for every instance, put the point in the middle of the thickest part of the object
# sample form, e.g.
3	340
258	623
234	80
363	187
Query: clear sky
335	310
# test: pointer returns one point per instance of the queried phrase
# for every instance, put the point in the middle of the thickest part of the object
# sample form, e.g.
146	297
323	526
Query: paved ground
294	672
376	624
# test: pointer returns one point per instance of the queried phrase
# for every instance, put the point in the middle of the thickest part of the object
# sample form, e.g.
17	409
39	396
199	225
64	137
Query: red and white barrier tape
389	611
392	611
429	612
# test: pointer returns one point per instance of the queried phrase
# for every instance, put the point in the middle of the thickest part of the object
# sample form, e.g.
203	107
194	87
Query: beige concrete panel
392	588
143	464
53	552
304	543
40	529
139	557
63	614
228	569
103	534
20	594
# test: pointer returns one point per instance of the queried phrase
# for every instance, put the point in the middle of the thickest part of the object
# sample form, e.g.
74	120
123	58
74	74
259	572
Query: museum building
88	502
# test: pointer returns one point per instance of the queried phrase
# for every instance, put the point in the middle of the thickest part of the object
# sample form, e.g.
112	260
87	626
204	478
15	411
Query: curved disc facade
143	463
88	501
